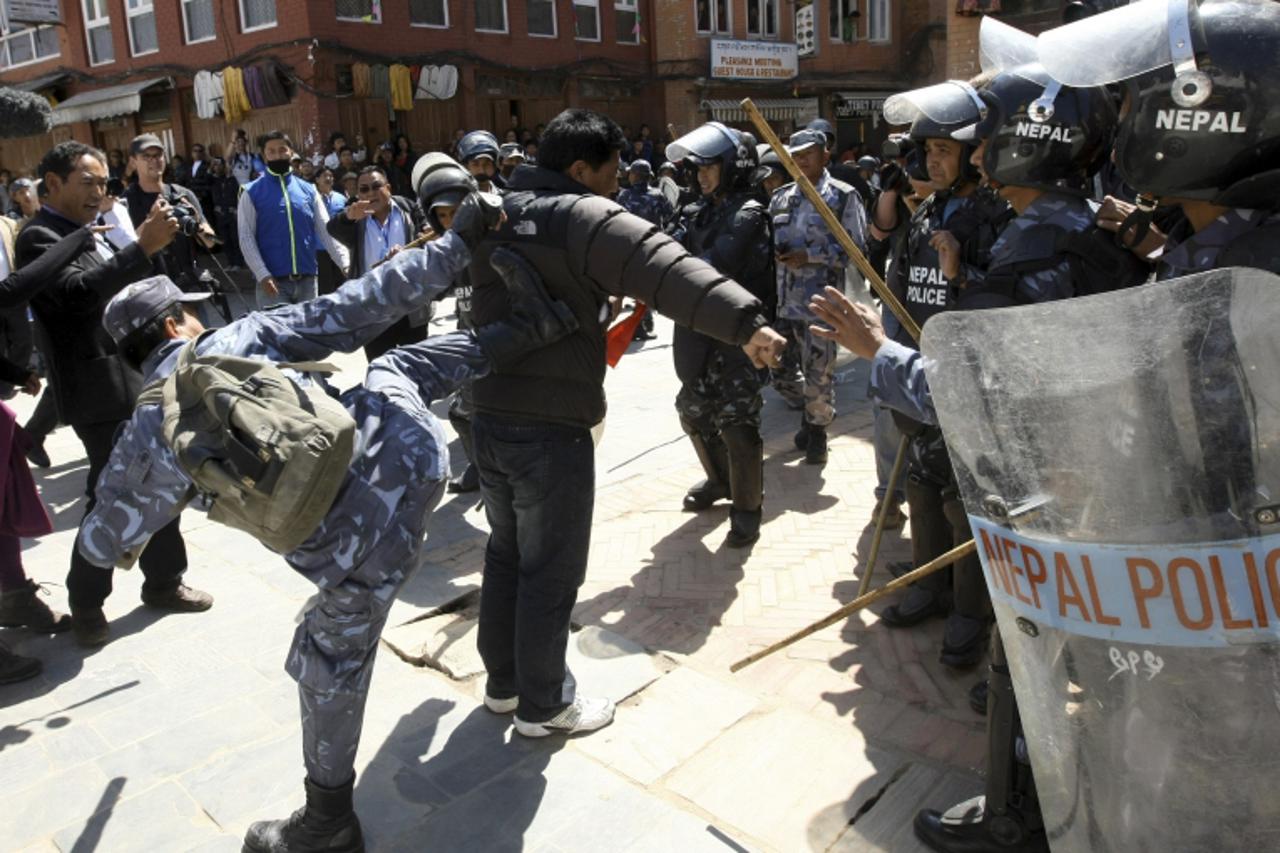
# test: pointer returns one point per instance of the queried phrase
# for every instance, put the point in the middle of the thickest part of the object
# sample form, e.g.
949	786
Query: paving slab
163	818
786	779
667	723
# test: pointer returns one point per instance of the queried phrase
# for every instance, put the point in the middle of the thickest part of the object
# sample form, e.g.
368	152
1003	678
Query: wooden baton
862	601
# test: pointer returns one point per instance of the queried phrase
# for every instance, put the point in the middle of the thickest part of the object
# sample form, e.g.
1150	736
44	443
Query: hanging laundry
438	82
235	100
208	93
360	83
401	87
253	86
379	82
274	93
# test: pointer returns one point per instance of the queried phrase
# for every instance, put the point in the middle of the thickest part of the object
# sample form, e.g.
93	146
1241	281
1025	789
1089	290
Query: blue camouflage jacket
648	203
399	443
797	225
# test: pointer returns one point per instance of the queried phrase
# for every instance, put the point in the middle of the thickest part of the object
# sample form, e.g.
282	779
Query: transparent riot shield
1119	458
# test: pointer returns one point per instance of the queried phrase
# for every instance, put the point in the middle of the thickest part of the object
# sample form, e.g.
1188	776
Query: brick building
120	67
852	54
115	68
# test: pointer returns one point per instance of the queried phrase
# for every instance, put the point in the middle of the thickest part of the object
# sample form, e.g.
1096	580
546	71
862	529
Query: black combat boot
326	824
815	451
533	319
746	482
469	479
714	457
969	828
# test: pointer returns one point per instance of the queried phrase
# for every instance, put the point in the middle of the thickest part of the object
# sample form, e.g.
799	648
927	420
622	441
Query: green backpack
270	454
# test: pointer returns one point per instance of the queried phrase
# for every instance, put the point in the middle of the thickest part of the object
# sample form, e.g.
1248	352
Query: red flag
619	336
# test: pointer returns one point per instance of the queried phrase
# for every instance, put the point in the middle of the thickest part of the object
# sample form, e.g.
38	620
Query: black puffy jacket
587	249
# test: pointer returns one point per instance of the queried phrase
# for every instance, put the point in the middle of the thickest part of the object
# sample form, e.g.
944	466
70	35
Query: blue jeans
538	483
291	292
885	437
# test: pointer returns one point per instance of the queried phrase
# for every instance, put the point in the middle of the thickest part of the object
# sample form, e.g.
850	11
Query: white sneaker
584	715
501	706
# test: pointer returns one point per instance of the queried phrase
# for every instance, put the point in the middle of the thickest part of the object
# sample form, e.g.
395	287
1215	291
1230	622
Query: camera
187	218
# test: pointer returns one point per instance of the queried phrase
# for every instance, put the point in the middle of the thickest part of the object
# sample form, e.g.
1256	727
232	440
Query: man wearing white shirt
282	220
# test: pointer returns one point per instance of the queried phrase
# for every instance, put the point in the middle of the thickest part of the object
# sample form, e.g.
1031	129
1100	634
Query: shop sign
753	60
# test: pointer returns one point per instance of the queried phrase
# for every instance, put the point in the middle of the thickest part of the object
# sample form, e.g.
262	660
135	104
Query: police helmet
824	127
439	180
478	143
715	143
868	162
768	158
1042	134
1201	84
668	166
938	112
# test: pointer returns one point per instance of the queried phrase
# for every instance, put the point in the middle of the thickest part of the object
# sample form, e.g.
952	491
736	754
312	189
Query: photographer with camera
178	261
95	389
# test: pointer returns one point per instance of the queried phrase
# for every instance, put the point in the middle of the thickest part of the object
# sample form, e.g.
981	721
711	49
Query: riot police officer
643	199
947	247
441	186
719	400
478	152
1226	185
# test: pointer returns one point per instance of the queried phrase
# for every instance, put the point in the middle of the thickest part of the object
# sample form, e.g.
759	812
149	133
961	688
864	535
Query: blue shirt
379	238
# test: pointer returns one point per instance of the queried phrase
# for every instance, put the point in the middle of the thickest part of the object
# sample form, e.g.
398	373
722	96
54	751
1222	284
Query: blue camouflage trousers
335	645
806	375
727	392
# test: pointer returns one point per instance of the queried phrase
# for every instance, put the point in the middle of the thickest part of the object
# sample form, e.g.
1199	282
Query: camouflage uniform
805	377
368	543
649	203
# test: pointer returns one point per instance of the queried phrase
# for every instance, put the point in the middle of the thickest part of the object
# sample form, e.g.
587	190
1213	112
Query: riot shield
1119	459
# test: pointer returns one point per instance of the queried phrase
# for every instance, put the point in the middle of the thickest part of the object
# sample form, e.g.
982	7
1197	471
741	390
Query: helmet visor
706	143
1114	46
1001	46
949	103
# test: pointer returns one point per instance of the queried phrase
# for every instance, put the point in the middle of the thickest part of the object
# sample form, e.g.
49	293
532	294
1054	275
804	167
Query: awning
774	109
37	83
105	103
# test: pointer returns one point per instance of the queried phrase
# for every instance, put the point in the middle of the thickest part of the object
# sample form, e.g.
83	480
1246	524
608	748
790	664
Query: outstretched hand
854	326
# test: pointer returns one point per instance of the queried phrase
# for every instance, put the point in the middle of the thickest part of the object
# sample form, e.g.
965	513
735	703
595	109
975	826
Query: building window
626	17
762	18
542	18
844	21
97	32
142	27
491	16
713	16
22	45
257	15
367	11
878	20
429	13
197	20
586	20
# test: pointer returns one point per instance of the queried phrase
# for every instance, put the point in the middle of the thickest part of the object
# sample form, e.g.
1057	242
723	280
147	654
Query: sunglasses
371	188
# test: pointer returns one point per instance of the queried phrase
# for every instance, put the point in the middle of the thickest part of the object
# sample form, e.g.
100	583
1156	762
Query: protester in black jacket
532	423
95	388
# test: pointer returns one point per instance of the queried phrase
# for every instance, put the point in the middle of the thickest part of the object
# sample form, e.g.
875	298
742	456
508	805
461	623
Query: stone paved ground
184	728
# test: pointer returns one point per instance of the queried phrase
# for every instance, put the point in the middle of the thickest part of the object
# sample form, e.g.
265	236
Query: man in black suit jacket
95	389
373	228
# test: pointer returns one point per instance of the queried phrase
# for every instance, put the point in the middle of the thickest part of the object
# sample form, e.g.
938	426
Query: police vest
286	228
924	290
